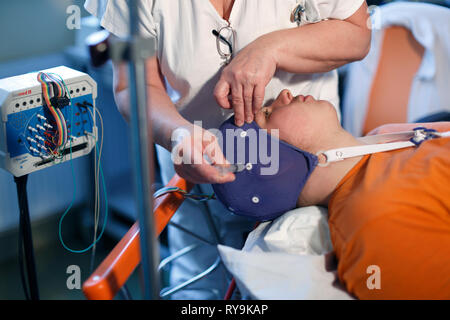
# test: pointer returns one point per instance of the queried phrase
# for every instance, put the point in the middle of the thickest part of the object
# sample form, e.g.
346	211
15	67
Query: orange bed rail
117	267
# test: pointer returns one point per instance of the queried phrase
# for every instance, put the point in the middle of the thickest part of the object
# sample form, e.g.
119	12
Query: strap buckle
422	134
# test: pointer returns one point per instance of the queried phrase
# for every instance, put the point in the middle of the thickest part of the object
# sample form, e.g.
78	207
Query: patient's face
300	120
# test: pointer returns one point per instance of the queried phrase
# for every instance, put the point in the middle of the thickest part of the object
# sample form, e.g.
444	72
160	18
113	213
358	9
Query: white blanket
290	258
430	26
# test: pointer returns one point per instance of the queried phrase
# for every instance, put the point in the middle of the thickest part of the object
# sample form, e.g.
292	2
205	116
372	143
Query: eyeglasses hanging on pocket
225	42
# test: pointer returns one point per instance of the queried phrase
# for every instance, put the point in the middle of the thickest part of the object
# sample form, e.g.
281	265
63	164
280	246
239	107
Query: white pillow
287	259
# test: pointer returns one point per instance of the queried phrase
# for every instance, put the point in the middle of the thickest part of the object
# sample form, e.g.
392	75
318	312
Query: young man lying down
389	211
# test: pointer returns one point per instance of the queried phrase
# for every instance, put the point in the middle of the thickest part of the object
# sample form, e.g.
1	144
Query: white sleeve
338	9
114	16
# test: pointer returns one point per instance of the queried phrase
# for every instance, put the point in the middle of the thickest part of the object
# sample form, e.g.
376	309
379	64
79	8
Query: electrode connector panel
41	128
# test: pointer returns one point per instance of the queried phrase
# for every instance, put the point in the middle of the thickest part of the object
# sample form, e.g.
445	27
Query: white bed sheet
287	259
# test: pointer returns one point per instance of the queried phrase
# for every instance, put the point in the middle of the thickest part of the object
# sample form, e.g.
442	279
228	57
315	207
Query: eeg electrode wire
44	80
96	168
97	191
99	172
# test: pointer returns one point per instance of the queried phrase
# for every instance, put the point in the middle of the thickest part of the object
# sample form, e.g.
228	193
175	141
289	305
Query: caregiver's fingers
203	164
237	102
212	150
248	103
217	159
221	166
203	173
221	93
258	97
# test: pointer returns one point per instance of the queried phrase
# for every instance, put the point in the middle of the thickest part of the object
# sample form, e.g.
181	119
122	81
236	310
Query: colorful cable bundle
51	85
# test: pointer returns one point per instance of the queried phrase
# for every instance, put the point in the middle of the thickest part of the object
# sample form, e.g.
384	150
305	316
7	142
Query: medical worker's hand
242	83
197	156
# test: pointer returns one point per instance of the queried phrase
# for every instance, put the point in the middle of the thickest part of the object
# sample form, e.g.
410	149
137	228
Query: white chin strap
382	143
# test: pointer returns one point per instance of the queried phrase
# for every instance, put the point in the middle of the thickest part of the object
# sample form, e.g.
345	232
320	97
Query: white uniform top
187	49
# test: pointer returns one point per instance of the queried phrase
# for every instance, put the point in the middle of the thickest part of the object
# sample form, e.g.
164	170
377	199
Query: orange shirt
392	211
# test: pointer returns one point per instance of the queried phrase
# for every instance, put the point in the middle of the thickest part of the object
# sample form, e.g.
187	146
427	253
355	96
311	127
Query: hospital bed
298	242
116	268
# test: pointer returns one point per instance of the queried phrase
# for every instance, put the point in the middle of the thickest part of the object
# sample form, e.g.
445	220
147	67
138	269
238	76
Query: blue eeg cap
253	194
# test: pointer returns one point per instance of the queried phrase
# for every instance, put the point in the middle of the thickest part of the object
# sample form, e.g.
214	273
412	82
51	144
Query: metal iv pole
135	50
